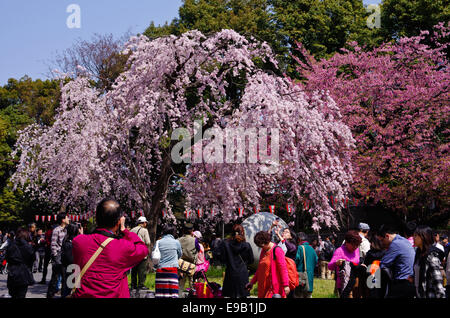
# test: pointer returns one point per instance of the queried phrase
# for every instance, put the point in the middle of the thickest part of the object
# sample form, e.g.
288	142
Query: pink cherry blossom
395	99
119	143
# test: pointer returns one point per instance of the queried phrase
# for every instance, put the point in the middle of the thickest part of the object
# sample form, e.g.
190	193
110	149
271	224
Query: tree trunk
153	209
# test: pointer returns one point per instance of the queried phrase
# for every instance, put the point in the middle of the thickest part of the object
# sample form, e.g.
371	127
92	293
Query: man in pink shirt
106	277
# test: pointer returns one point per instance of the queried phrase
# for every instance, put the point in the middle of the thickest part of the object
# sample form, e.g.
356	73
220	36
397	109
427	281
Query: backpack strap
91	260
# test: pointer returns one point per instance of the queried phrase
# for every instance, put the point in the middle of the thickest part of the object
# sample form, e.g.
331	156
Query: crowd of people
368	263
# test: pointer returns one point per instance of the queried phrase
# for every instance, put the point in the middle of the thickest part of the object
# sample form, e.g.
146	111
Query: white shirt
439	246
364	247
4	245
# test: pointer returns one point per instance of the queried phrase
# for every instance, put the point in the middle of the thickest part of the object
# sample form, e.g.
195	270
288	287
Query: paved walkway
34	291
40	291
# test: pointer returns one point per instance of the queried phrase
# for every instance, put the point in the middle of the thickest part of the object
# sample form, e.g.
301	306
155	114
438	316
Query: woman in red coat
272	275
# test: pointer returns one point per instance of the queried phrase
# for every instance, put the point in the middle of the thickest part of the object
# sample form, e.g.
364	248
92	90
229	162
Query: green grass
323	288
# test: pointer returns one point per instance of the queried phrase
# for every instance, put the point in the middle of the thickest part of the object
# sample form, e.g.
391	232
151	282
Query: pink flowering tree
395	99
313	154
121	143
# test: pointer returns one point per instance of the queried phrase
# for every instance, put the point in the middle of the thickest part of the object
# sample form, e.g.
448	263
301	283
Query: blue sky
32	31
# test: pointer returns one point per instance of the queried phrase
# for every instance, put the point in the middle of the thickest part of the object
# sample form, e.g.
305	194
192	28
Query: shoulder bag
186	268
89	263
303	276
156	254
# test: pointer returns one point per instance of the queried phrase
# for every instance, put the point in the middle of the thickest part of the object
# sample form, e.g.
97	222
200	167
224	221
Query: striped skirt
166	283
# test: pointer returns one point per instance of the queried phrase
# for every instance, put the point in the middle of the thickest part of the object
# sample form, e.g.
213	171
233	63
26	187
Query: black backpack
328	251
66	253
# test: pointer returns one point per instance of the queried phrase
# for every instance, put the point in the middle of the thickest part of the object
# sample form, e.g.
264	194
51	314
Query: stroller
202	288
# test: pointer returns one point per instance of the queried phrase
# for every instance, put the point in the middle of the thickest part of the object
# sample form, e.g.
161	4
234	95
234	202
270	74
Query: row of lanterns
289	208
199	212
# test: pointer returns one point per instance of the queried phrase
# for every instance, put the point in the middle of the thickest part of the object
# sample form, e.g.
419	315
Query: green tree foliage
248	17
154	31
11	120
22	102
406	18
37	99
322	26
12	205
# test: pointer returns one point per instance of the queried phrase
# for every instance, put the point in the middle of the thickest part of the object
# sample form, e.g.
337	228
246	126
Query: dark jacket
39	243
291	249
66	252
377	286
430	277
373	255
48	238
236	256
20	257
327	251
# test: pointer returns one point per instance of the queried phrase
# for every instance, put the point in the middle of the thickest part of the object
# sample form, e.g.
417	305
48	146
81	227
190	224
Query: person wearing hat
138	273
202	264
364	247
446	245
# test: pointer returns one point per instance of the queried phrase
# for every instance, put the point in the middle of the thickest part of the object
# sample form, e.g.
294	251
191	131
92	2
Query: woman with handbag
166	280
272	274
306	260
236	254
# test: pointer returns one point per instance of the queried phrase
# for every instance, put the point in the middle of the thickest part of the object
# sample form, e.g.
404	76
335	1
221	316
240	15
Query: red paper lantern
289	208
306	204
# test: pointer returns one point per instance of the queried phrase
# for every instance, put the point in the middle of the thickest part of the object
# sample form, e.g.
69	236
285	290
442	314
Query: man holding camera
106	255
